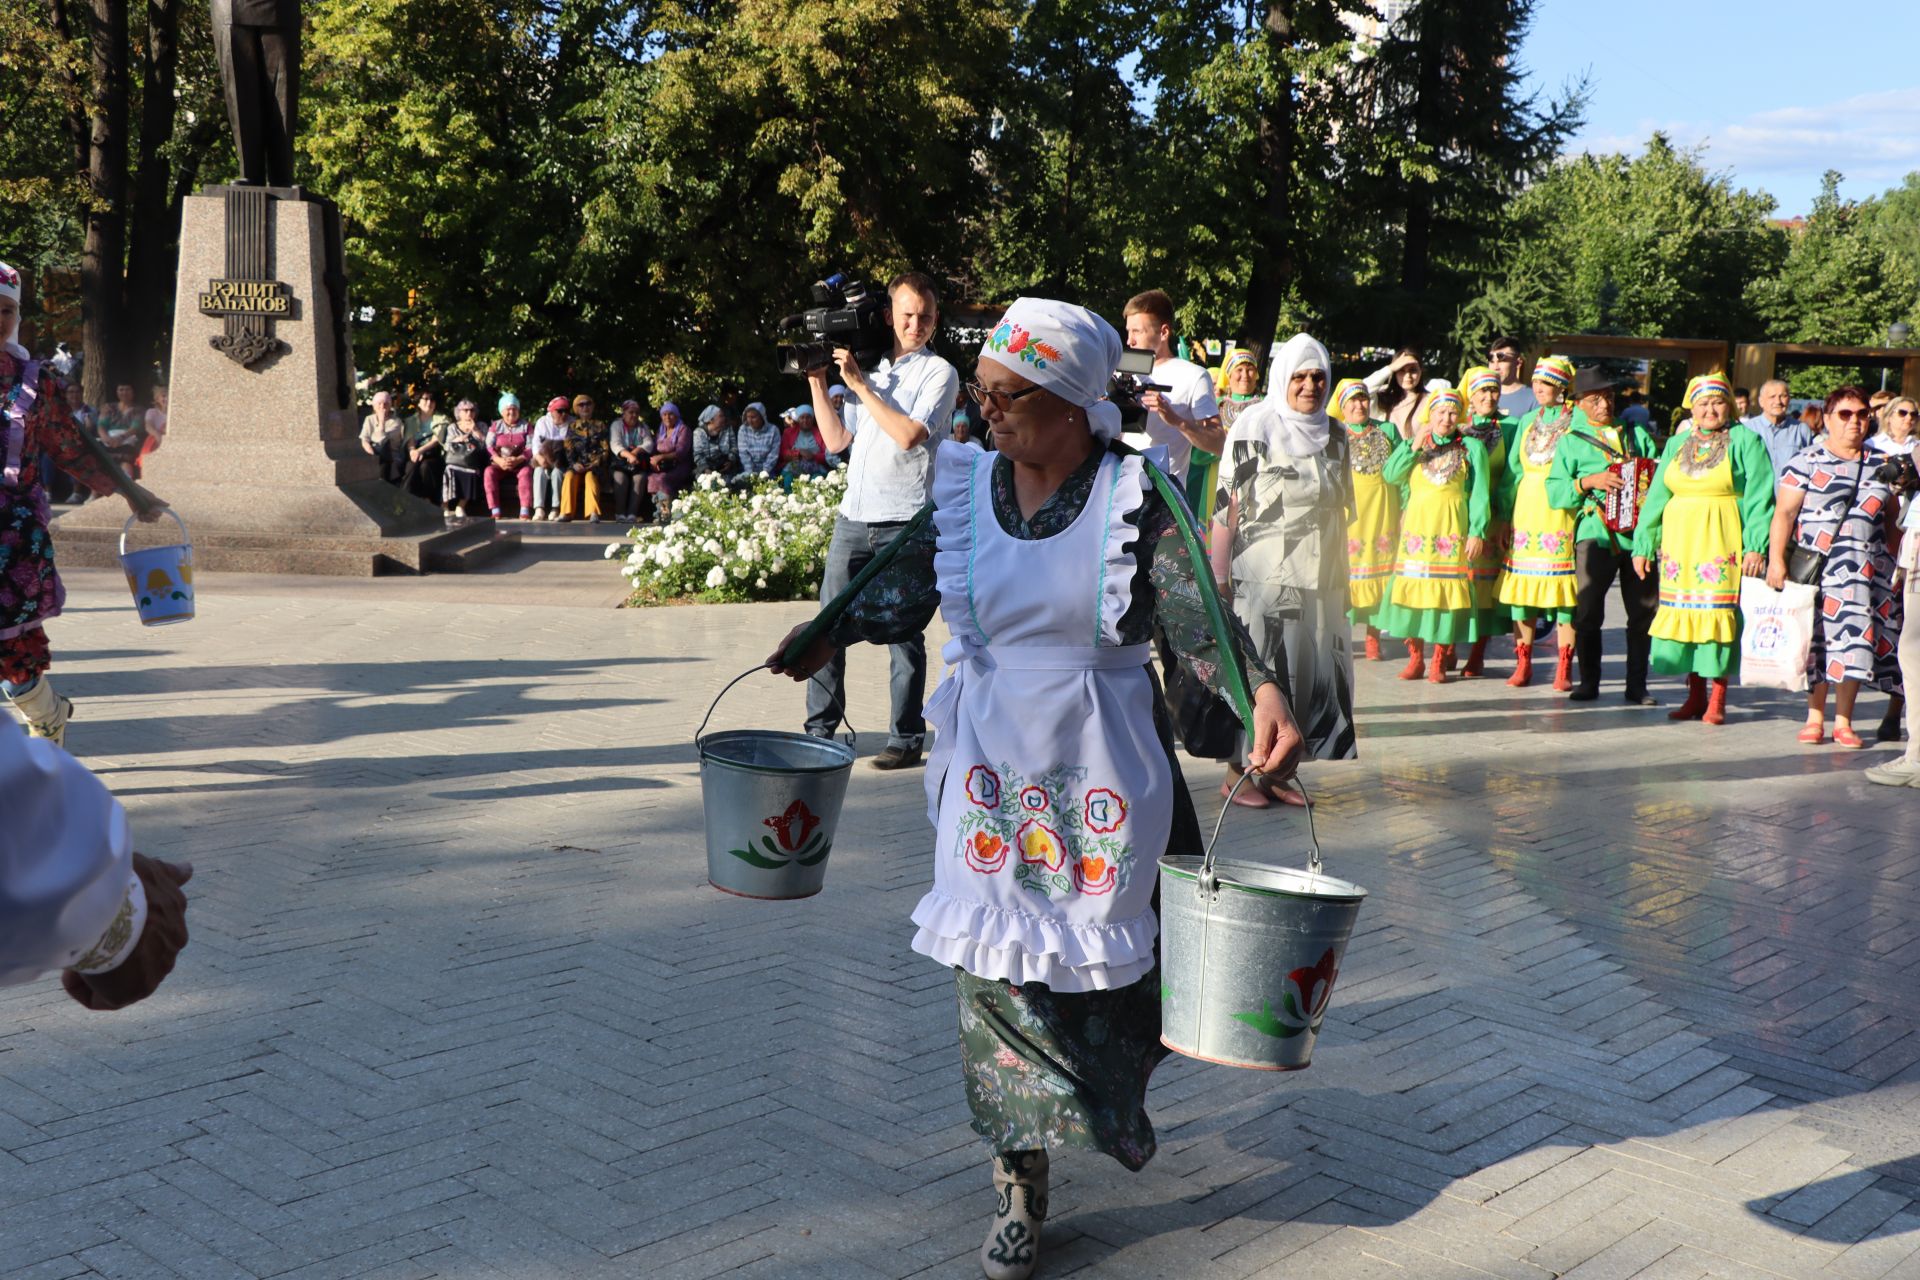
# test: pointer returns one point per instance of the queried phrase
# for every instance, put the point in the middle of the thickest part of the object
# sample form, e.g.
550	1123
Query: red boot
1476	660
1373	647
1563	673
1412	670
1442	659
1717	702
1522	667
1696	704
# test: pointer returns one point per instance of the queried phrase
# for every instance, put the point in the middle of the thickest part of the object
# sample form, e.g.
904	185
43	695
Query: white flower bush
726	546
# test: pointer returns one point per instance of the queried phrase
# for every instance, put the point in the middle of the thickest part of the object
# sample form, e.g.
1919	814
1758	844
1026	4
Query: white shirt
1192	397
886	483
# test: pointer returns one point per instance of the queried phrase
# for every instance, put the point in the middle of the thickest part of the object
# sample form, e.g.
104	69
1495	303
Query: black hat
1588	381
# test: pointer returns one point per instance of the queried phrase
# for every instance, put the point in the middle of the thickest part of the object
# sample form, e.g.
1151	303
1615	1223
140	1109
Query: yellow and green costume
1536	576
1373	533
1431	597
1711	502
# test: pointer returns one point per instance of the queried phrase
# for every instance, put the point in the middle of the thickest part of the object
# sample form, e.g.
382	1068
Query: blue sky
1779	93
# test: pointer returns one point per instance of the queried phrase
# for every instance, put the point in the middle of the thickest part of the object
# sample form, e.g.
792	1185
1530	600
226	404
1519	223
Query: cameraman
893	419
1187	415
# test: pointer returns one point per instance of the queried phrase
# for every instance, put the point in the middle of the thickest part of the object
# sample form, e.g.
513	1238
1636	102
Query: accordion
1620	507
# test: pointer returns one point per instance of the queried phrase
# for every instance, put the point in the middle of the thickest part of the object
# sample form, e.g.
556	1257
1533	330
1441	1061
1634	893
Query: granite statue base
262	460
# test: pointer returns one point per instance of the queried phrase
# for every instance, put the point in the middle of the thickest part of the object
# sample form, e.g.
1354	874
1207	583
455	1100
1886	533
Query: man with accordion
1602	471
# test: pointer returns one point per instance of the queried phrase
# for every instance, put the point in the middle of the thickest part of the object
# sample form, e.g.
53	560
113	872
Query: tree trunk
102	262
76	117
1416	261
1273	261
153	237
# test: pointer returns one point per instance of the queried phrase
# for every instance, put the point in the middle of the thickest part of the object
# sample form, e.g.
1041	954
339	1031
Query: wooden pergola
1700	355
1756	362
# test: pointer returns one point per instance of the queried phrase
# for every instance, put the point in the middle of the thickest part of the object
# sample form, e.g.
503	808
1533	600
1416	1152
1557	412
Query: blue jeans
546	486
854	545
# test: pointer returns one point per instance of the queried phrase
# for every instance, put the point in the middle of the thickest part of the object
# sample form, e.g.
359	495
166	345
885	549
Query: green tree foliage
1652	244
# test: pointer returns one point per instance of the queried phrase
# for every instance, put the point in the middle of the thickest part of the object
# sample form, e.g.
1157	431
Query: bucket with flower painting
1249	954
161	578
772	801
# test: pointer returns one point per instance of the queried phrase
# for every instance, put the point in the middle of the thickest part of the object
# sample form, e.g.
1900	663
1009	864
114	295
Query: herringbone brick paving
1628	999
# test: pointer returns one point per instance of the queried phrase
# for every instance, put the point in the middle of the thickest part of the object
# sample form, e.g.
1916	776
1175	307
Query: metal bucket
772	802
1249	954
160	578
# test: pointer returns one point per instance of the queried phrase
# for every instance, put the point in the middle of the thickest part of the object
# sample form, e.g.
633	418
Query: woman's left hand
1277	744
1754	565
1476	548
145	505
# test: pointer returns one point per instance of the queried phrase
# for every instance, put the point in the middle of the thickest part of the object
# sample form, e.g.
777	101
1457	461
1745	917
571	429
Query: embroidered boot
1563	673
1522	666
1415	660
1716	712
46	712
1373	646
1696	704
1012	1247
1476	660
1442	659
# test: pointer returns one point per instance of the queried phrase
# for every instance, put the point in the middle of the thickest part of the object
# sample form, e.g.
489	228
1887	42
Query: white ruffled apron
1048	788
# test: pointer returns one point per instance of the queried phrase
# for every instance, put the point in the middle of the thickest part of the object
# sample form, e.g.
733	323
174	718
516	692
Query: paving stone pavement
1628	999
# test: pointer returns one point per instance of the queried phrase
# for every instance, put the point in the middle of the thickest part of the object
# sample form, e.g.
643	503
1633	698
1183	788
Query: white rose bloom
716	577
761	583
711	546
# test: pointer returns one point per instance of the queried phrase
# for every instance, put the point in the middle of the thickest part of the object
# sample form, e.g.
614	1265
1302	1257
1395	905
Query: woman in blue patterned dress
1831	504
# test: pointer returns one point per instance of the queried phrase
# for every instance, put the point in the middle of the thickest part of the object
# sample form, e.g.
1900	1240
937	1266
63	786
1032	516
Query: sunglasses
999	401
1903	413
1849	415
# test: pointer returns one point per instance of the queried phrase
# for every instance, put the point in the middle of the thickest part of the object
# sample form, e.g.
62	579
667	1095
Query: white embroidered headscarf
10	288
1066	349
1273	420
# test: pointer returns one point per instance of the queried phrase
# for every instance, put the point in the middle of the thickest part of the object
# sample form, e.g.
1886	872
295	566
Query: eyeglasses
998	401
1903	413
1849	415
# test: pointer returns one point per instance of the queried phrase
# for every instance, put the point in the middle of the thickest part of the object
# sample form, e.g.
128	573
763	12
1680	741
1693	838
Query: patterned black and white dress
1856	635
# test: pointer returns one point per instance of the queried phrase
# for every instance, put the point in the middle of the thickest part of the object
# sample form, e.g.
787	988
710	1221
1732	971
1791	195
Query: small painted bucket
161	578
772	801
1249	954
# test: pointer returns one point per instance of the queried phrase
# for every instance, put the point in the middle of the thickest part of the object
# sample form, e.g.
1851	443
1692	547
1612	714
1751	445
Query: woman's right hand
1777	574
817	656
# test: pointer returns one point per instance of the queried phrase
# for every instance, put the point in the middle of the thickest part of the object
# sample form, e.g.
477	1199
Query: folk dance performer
1053	786
34	421
1578	482
1706	523
1442	531
1374	532
1537	578
1492	429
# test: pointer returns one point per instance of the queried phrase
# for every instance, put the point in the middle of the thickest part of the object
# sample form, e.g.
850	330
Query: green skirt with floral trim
1049	1069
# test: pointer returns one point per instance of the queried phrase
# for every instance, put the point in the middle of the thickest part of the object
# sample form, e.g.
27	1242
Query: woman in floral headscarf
1374	532
1537	578
1053	784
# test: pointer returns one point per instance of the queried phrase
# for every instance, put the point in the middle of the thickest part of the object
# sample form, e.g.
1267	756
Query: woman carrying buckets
1051	797
34	421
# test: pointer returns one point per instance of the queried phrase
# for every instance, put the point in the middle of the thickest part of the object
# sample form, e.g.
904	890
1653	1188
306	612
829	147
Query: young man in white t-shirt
1187	415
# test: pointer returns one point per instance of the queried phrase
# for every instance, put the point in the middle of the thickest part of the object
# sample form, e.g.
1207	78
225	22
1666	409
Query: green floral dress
1056	1069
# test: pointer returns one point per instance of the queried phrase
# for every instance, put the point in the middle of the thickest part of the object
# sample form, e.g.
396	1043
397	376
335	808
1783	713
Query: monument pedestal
262	459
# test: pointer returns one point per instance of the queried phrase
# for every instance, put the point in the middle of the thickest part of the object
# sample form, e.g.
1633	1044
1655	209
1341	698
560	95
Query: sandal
1813	734
1844	736
1284	795
1247	798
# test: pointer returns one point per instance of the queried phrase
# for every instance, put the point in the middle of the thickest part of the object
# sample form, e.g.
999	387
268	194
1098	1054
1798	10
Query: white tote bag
1776	634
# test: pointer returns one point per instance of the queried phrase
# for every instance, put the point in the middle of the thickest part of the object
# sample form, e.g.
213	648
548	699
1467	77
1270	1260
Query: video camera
1898	473
846	312
1134	376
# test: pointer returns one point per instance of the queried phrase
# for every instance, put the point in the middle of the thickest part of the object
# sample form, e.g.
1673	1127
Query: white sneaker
1897	772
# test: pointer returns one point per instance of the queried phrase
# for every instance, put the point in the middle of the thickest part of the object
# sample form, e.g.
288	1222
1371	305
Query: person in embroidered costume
35	422
1578	482
1373	534
1442	531
1281	541
1536	579
1705	525
1492	429
1053	786
74	896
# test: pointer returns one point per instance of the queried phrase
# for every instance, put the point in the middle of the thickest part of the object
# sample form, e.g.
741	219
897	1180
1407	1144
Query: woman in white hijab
1280	539
1053	786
